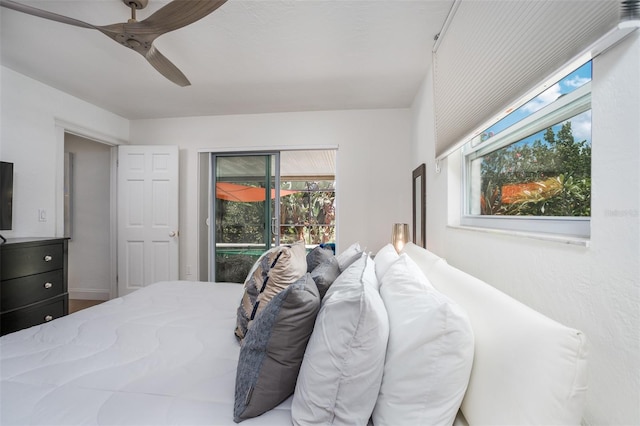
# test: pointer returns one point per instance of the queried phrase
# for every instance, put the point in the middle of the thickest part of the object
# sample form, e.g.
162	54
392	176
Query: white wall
30	138
373	168
373	161
595	289
89	247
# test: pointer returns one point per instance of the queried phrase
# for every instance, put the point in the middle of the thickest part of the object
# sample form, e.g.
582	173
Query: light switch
42	215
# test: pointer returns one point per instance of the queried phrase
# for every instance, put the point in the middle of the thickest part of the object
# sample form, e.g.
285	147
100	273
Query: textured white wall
29	138
595	289
373	187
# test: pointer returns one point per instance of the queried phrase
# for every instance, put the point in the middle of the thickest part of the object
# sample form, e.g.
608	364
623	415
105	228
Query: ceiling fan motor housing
138	4
133	41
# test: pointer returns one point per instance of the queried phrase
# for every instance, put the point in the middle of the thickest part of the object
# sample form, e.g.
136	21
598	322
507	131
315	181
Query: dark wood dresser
34	282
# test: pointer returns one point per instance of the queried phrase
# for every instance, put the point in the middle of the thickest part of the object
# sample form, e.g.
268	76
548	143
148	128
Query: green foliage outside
550	178
308	214
242	223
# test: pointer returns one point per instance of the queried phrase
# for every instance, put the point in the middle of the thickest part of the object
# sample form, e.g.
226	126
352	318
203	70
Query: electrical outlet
42	215
188	269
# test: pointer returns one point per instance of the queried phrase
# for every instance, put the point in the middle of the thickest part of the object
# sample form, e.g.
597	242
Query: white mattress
163	355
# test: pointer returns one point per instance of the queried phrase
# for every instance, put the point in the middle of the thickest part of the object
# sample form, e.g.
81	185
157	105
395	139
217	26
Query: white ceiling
246	57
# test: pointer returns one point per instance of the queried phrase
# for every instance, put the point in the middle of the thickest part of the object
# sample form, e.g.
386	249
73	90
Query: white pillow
341	372
350	255
369	273
425	259
384	258
429	354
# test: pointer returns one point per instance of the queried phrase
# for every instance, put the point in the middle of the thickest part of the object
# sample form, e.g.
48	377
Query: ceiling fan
139	35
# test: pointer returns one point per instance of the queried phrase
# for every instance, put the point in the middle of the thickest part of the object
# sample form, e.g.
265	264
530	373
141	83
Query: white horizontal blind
494	51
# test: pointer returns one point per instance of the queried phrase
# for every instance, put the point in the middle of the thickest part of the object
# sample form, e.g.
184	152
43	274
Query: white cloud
576	81
581	126
543	99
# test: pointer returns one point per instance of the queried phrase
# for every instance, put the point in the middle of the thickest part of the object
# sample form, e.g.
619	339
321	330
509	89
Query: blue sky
581	124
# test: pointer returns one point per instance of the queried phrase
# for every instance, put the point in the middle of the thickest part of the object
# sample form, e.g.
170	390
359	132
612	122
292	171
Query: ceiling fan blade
30	10
178	14
139	36
166	67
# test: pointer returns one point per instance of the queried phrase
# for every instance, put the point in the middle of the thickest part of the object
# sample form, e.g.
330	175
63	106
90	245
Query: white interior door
147	216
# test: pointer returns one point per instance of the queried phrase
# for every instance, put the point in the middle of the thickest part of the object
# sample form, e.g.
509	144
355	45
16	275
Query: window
308	212
531	170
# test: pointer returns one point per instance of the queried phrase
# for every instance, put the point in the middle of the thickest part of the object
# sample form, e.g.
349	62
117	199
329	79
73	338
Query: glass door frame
272	219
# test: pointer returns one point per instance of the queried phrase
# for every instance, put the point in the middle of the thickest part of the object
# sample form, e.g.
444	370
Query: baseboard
88	294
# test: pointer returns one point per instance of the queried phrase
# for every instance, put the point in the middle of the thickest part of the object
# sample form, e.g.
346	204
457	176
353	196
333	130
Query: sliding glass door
245	207
252	201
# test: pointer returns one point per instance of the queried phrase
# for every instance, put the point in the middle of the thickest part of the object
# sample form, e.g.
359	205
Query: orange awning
520	192
245	194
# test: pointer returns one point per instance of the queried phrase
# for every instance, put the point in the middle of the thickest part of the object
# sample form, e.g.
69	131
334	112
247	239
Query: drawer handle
48	285
48	318
48	258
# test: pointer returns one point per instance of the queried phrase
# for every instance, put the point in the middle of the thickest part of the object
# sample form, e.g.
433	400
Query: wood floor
76	305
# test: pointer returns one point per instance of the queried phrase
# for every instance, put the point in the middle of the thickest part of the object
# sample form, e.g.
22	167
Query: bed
167	354
164	354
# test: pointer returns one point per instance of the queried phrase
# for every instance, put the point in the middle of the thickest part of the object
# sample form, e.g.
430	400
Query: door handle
274	228
173	234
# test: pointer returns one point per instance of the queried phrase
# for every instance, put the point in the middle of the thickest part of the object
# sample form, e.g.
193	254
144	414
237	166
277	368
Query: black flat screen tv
6	195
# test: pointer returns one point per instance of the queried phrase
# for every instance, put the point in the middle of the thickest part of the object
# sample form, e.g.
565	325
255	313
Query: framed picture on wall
419	206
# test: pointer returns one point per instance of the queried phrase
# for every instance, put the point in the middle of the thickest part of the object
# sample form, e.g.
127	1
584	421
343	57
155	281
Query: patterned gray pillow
272	273
273	348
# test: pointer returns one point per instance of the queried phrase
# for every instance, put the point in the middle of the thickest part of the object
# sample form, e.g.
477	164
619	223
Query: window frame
563	108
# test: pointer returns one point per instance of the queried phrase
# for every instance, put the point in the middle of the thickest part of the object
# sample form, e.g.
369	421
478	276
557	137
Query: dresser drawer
30	289
34	314
22	261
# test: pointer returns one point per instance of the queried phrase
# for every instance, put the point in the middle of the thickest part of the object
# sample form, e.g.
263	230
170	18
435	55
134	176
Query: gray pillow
273	348
317	256
325	274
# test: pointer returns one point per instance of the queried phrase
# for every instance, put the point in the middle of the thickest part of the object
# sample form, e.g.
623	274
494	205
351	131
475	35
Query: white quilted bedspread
163	355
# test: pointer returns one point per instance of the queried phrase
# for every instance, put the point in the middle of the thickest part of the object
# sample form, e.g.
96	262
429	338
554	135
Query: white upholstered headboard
527	368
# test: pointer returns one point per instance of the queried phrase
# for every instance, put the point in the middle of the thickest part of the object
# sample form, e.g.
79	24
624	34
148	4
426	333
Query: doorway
87	213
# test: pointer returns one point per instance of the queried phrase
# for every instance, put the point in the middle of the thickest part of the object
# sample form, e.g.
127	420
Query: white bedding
167	354
163	355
